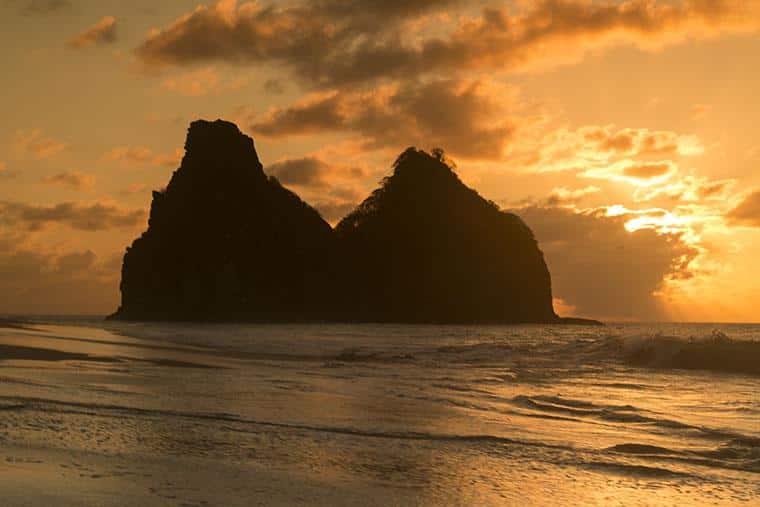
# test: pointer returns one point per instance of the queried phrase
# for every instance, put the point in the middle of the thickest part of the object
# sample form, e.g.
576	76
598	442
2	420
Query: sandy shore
36	477
193	416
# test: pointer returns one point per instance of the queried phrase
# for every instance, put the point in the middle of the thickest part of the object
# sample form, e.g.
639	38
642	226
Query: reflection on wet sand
234	415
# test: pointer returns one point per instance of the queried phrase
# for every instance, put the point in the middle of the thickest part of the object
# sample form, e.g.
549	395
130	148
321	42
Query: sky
624	132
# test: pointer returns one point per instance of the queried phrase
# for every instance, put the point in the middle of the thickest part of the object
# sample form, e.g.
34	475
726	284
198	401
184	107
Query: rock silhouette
225	242
426	248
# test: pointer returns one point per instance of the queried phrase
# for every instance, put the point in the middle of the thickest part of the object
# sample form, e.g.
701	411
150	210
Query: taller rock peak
220	145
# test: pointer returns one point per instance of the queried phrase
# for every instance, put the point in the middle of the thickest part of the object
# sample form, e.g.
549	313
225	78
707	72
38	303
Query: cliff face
225	242
426	248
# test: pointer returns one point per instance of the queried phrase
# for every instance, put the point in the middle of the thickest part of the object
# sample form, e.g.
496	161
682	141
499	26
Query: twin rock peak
227	243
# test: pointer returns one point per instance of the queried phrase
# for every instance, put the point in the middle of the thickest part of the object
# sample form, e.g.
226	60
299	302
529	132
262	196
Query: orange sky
624	132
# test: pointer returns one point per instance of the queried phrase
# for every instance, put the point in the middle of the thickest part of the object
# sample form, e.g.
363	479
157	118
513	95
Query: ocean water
181	414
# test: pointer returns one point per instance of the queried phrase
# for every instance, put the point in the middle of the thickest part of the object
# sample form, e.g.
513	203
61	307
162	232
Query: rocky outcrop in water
426	248
225	242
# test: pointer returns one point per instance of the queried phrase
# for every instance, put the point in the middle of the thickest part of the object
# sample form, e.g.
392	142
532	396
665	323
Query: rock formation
225	242
426	248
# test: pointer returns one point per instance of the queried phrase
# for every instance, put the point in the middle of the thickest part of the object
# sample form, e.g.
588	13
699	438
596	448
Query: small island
225	242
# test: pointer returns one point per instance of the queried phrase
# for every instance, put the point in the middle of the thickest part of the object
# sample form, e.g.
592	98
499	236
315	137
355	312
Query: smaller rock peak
415	165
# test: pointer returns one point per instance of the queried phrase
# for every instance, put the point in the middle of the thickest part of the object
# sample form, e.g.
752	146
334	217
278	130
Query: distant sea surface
96	413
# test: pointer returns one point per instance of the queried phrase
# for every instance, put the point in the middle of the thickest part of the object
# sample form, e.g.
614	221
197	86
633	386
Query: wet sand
183	415
34	477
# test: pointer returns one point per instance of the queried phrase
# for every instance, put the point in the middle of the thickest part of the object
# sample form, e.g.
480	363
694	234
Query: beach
96	413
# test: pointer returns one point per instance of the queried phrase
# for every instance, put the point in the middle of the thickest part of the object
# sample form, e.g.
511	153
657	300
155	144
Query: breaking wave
716	352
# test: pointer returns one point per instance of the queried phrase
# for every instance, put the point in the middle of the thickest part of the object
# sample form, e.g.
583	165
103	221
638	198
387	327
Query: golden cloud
102	32
638	142
647	171
194	84
687	188
141	155
594	147
32	142
641	174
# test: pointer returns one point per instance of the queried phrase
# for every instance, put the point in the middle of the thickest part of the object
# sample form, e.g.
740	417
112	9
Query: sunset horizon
380	253
627	123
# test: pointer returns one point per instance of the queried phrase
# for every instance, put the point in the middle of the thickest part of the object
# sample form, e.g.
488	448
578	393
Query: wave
716	352
640	449
19	403
740	453
533	362
737	454
644	471
583	409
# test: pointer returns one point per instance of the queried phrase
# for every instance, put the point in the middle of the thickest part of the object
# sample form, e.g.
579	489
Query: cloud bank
600	268
101	33
465	116
747	213
327	43
79	216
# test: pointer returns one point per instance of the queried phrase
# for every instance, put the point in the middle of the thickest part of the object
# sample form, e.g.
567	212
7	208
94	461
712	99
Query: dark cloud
368	12
307	171
562	196
37	278
322	113
5	172
334	210
41	7
73	179
134	188
32	280
274	86
313	172
467	118
600	268
101	33
85	217
328	42
76	262
747	213
305	35
334	190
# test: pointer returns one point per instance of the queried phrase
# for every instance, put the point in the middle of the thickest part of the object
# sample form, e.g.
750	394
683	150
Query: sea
116	413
